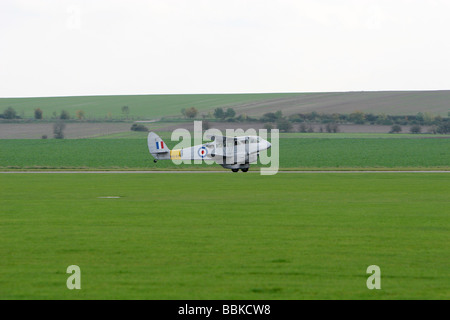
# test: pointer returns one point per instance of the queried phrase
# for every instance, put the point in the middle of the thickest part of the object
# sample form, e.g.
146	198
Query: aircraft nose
269	145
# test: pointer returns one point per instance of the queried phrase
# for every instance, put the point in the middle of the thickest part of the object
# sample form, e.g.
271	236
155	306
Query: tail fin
157	147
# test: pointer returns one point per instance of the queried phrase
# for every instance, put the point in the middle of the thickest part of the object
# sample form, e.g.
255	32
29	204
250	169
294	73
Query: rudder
157	147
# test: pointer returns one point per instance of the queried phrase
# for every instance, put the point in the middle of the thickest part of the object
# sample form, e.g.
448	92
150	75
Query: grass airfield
297	152
225	236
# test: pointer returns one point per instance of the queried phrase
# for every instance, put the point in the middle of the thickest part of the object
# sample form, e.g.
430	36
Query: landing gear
242	169
155	161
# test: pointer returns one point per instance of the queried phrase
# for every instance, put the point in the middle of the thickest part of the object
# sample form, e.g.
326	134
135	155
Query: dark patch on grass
266	290
280	261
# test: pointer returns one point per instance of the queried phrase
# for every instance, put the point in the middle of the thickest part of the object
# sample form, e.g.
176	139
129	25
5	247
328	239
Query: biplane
235	153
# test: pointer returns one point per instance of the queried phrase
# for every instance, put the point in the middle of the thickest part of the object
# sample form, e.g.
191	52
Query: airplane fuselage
230	152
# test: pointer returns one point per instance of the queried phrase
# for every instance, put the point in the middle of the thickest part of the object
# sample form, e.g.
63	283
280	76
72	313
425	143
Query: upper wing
215	137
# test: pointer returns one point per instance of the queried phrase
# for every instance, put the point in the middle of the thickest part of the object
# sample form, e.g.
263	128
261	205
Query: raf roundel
202	152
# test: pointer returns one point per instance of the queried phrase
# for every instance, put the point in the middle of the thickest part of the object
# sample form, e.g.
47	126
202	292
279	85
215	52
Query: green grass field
310	153
141	106
156	106
224	236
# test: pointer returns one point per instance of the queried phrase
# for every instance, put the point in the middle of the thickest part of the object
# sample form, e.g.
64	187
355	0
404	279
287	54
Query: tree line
438	124
331	122
11	114
358	117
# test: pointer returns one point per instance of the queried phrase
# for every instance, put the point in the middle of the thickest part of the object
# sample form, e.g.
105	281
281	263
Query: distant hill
156	106
393	103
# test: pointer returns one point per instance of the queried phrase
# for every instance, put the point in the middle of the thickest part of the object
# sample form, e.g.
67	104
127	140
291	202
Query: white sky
97	47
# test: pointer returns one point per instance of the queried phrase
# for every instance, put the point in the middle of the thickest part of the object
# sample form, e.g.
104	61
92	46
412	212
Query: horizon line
224	93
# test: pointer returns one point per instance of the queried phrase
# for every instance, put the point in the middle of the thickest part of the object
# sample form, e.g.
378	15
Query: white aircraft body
230	152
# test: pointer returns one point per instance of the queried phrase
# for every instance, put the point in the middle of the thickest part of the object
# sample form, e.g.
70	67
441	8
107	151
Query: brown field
394	103
72	131
90	130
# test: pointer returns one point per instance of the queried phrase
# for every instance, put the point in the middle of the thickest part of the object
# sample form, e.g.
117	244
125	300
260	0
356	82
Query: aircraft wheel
244	170
155	161
235	170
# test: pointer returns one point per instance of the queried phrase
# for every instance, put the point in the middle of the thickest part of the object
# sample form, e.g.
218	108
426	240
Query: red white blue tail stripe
159	145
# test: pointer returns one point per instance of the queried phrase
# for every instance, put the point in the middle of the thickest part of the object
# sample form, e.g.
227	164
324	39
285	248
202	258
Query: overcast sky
98	47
